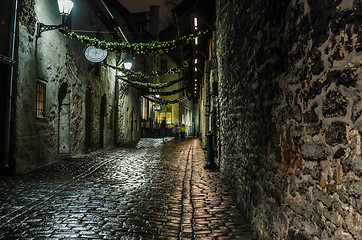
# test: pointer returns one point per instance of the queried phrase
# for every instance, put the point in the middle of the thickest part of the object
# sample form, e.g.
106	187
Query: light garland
134	48
167	102
139	74
145	91
167	93
151	85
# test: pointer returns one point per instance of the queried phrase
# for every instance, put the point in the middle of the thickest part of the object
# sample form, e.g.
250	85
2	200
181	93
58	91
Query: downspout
8	109
116	100
182	60
178	36
116	112
118	28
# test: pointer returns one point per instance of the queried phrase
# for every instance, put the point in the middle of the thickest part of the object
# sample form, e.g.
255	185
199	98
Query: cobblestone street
153	190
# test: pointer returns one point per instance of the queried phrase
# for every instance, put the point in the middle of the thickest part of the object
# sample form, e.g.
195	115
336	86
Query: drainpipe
10	89
116	112
178	35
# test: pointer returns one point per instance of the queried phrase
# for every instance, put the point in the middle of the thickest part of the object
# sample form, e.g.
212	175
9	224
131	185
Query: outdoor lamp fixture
127	64
65	6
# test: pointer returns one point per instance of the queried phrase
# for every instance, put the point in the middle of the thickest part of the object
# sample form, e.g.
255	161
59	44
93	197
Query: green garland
167	93
145	91
151	85
139	74
167	102
135	48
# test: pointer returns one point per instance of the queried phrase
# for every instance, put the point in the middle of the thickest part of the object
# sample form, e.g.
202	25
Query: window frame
40	100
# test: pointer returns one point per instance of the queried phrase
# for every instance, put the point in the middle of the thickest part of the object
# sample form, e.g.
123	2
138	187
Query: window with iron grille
40	100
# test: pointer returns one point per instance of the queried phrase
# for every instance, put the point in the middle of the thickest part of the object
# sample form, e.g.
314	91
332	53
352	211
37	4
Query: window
40	100
166	113
183	116
163	65
195	23
169	114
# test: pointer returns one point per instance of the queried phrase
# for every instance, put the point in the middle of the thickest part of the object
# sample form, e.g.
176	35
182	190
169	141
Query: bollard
210	153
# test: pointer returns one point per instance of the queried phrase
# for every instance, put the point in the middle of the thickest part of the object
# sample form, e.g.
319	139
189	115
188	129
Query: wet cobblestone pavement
153	190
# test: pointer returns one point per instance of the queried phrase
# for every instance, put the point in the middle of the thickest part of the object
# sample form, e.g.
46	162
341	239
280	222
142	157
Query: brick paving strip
151	191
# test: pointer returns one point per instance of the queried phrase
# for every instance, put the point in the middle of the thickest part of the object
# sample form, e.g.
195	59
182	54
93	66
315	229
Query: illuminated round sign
94	54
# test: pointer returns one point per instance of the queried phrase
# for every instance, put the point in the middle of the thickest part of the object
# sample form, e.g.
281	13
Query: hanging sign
94	54
157	107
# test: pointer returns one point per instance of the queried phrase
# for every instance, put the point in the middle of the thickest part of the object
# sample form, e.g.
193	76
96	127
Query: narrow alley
269	93
152	190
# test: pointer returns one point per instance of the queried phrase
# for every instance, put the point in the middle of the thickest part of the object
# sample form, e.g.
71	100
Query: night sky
141	5
144	5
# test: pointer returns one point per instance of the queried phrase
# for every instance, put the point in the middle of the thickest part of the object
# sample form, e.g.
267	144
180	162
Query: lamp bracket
41	27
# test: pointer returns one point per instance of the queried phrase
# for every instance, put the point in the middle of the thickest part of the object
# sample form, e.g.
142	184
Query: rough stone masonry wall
290	95
59	62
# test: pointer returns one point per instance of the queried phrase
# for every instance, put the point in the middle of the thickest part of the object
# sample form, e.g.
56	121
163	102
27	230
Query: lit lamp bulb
127	65
65	6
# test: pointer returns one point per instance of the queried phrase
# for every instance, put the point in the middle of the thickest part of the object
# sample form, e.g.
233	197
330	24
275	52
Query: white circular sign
94	54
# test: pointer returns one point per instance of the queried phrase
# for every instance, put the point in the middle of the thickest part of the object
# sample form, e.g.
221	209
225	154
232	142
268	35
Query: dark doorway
88	119
132	124
64	121
3	105
102	122
7	16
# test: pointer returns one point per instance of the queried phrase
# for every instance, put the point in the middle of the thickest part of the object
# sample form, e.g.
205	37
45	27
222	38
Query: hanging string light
134	48
167	102
151	85
145	91
139	74
166	93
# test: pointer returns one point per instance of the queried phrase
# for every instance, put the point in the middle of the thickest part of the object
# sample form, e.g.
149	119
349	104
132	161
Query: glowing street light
65	7
127	65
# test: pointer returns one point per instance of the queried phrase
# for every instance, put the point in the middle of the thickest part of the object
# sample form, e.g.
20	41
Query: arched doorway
64	121
102	120
88	119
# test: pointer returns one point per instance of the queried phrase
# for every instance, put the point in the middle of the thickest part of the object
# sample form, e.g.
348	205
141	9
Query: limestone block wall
290	98
80	101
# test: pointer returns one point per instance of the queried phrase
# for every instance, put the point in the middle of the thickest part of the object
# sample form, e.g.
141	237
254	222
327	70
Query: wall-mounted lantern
65	7
127	64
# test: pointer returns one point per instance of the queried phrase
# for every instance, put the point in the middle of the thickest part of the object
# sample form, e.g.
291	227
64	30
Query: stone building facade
64	105
290	114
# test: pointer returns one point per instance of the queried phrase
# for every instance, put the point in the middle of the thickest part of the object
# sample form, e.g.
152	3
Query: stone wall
290	83
80	102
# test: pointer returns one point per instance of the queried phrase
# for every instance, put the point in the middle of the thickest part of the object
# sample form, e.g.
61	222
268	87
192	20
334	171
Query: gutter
118	29
107	9
178	34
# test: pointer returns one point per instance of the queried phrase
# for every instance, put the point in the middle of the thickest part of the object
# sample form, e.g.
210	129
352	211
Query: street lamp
65	6
127	64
